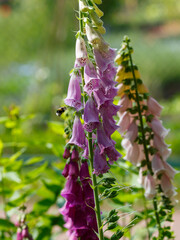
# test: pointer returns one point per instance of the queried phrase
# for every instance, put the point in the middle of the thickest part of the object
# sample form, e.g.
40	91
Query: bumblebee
60	111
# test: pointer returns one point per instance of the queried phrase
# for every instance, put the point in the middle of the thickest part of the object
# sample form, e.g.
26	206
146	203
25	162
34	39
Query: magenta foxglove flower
19	234
91	116
66	153
149	186
112	154
74	155
74	92
78	135
100	163
25	232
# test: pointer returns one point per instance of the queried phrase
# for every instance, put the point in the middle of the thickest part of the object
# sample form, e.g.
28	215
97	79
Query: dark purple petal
103	140
100	163
66	153
112	154
74	155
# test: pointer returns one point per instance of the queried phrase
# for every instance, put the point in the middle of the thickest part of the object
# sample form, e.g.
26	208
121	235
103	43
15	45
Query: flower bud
66	153
25	232
74	155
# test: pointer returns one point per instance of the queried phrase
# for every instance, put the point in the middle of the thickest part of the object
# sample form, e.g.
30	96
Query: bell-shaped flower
132	132
66	153
170	171
99	96
149	186
125	143
124	103
100	164
91	116
124	122
112	154
19	234
74	93
167	186
70	190
81	52
74	155
157	165
104	58
158	128
78	135
154	107
161	146
109	125
133	153
103	140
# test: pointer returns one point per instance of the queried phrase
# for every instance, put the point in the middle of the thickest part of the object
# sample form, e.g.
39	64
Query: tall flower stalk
144	135
90	93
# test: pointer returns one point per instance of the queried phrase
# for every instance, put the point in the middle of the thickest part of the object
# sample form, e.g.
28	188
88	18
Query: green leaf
33	160
6	225
17	154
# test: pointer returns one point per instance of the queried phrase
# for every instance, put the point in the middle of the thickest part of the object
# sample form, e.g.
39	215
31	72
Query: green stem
146	215
95	188
90	144
144	139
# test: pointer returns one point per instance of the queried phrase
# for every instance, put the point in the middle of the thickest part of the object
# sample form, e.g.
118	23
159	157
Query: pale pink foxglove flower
158	128
167	187
161	146
132	153
124	122
154	107
149	186
170	171
157	165
81	52
124	103
132	132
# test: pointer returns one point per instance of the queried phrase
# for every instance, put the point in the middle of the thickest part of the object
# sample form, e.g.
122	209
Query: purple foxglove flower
149	186
91	116
124	122
133	153
74	93
109	125
157	165
71	189
104	58
109	74
167	187
110	92
19	234
71	169
108	108
84	172
161	146
66	153
81	52
86	151
170	171
78	135
112	154
132	132
154	107
74	155
25	232
158	128
99	96
92	81
124	103
103	140
100	163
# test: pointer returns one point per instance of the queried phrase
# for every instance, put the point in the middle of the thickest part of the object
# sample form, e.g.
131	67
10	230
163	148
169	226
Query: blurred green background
37	52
